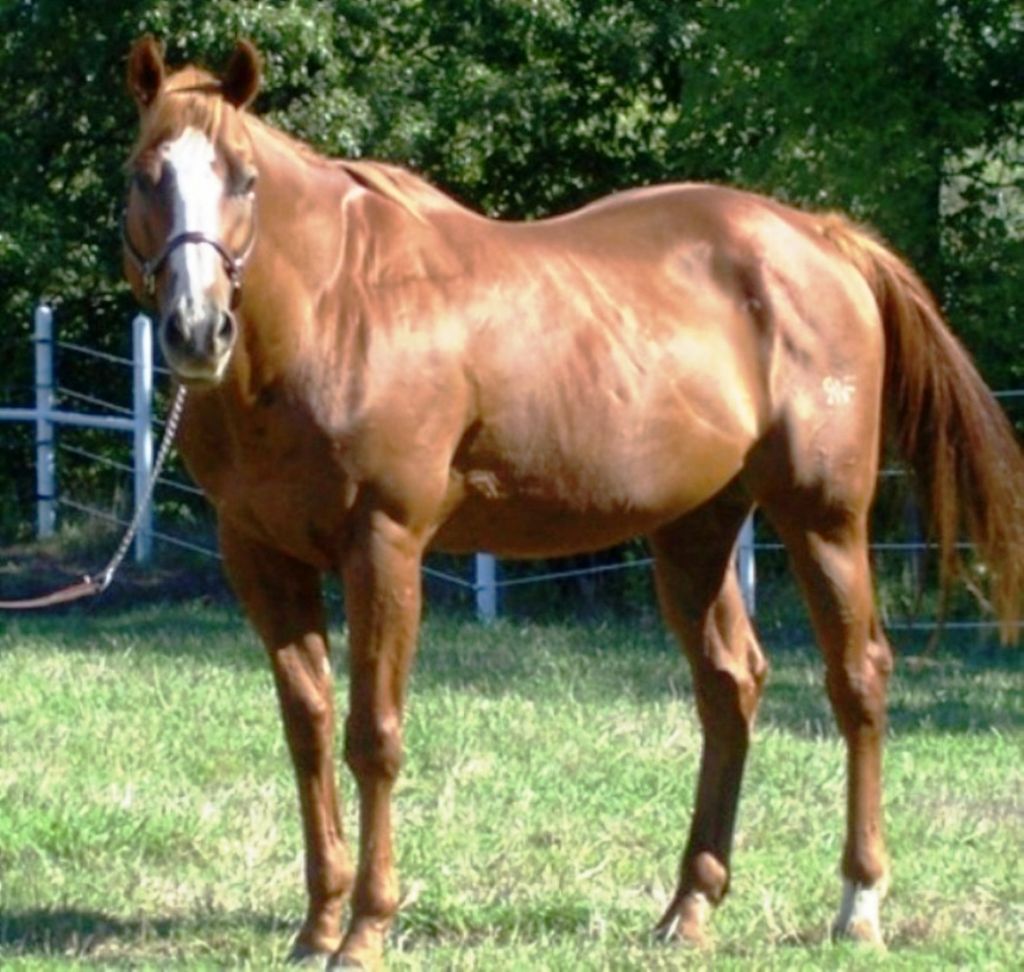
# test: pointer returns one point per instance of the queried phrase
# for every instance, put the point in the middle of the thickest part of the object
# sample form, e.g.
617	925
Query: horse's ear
146	70
241	81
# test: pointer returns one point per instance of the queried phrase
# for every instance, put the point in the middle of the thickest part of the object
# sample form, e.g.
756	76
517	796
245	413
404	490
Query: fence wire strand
94	353
78	396
431	572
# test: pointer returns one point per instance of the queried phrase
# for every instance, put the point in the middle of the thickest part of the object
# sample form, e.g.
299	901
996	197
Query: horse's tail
947	424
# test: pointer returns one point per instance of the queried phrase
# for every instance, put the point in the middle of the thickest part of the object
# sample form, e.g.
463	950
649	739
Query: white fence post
46	452
486	587
746	565
142	409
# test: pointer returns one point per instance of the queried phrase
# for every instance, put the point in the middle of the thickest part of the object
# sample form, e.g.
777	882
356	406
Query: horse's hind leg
283	600
831	562
701	601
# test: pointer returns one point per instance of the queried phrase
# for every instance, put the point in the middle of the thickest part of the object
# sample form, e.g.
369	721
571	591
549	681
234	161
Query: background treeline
908	115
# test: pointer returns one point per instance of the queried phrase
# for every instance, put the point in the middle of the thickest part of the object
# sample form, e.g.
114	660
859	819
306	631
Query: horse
375	371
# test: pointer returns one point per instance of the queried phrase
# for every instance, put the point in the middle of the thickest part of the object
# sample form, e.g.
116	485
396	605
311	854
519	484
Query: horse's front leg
282	598
382	600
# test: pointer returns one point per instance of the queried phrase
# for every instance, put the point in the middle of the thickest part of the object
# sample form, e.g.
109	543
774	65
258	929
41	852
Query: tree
896	113
910	116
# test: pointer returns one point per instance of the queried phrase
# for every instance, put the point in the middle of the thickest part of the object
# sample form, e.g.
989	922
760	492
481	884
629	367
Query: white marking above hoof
858	914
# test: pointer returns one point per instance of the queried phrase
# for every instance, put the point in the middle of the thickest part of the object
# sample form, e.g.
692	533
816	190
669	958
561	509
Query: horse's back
628	359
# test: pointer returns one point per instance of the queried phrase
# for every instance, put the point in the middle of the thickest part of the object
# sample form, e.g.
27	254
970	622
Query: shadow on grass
431	924
972	690
71	932
952	690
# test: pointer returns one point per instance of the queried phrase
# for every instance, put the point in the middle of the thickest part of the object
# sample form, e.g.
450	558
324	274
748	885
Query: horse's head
190	220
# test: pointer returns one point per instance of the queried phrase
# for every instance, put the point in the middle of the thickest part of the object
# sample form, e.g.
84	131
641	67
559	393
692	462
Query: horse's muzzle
197	340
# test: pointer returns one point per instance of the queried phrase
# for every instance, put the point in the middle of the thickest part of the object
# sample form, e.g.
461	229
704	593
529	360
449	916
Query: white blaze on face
196	193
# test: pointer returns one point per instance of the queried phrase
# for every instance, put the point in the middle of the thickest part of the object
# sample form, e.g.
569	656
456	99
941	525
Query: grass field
147	814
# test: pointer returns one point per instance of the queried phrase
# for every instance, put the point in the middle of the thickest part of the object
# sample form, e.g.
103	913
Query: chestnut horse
376	372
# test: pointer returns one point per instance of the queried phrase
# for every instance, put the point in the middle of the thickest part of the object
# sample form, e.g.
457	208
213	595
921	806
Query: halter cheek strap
233	265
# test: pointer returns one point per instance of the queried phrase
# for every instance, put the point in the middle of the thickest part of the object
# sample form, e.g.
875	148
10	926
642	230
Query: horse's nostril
174	331
225	333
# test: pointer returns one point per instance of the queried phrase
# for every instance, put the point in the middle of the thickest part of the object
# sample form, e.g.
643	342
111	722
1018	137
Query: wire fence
183	521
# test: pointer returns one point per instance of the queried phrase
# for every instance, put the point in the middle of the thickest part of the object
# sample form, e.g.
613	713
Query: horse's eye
244	182
147	178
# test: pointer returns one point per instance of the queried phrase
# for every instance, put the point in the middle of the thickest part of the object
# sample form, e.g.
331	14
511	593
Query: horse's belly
532	530
559	505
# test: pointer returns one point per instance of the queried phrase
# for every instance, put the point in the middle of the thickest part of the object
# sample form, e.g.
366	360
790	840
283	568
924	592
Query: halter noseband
233	265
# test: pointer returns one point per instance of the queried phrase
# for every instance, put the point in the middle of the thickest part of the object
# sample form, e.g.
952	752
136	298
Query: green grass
147	813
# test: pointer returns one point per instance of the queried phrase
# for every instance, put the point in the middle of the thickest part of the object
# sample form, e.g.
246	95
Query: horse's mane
394	183
399	185
196	103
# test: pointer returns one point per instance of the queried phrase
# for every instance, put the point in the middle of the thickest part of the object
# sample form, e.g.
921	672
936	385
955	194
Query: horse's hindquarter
620	376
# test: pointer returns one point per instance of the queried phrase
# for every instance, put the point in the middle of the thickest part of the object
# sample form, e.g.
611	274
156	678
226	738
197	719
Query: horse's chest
278	485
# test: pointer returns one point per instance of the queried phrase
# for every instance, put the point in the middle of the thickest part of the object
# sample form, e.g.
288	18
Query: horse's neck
295	183
328	234
295	192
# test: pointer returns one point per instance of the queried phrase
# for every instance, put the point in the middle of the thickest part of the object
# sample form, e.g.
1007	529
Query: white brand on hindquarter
838	391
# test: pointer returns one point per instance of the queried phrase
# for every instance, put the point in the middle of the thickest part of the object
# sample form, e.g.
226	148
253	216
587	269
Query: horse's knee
752	687
729	685
857	686
307	708
373	747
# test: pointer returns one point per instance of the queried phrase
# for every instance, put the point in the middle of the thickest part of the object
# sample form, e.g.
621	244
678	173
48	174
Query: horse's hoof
686	922
342	961
345	962
858	919
860	932
309	956
361	949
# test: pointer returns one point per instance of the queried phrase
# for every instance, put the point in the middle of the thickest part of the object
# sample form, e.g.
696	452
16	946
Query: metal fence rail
484	582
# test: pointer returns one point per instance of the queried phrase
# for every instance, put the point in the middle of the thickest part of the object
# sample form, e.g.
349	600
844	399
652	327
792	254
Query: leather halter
233	265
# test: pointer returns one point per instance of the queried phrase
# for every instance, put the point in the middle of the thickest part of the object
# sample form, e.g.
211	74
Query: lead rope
89	586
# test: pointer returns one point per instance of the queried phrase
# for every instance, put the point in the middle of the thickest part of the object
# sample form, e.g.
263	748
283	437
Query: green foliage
909	115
